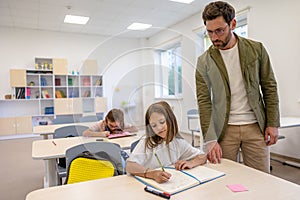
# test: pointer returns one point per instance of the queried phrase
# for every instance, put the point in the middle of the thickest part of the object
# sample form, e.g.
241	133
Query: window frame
161	91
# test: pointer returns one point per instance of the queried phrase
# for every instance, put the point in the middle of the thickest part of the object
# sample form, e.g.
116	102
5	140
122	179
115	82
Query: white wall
19	47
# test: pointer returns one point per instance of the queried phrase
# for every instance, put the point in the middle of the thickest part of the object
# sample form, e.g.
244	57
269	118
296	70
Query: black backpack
62	161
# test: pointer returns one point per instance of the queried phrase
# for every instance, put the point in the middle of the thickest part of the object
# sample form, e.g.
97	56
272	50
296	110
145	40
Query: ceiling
107	17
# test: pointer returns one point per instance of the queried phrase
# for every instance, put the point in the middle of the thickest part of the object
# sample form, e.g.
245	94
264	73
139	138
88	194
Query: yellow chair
85	169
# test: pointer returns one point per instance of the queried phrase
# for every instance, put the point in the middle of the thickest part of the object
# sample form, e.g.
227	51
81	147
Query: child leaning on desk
113	123
162	146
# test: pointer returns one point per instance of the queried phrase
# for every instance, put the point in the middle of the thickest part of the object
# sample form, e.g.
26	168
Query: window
169	73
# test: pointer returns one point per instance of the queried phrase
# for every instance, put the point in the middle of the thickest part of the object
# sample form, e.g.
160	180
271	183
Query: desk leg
193	139
45	136
50	173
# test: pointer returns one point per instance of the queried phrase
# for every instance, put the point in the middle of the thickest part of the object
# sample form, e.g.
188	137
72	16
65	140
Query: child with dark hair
113	123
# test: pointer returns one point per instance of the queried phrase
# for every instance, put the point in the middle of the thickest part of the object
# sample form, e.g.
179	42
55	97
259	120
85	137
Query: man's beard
219	44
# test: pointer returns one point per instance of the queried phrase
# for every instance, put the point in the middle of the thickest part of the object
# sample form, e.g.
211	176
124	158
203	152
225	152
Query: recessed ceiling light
139	26
73	19
183	1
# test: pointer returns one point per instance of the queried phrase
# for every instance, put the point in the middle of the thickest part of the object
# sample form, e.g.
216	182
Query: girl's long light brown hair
163	108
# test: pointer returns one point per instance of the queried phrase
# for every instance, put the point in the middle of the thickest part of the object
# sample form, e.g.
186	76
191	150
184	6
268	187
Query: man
236	92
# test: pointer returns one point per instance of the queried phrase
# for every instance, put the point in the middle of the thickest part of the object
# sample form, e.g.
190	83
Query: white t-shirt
240	110
178	149
98	126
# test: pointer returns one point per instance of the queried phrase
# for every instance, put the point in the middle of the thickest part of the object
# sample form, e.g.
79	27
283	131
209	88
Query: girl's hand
159	176
106	133
183	164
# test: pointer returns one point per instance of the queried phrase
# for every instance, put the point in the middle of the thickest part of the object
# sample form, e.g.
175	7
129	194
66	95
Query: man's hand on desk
214	152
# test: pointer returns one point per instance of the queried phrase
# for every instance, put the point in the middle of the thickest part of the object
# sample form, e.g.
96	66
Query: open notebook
118	135
183	179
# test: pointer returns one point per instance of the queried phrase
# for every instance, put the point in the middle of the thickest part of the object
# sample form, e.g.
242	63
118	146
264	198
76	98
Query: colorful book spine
27	93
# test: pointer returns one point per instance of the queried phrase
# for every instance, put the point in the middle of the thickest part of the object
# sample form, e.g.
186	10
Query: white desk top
46	149
287	122
49	129
260	186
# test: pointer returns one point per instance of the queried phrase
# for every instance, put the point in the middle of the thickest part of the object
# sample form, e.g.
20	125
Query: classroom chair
191	115
64	119
133	145
63	132
89	118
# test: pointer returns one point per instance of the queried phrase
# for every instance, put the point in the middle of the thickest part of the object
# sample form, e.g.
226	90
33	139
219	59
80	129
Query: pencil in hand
162	168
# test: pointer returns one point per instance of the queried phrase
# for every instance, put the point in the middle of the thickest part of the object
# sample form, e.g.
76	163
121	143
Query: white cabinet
15	125
42	93
68	106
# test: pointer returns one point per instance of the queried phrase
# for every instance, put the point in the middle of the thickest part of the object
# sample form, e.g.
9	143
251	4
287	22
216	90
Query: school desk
45	130
259	185
51	149
288	122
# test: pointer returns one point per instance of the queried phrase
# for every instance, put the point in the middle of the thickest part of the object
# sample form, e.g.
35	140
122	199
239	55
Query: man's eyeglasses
218	32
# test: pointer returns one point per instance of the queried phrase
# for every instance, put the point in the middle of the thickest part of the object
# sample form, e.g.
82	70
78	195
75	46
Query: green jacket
213	90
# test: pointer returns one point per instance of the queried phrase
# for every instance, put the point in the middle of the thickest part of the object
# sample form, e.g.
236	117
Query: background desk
288	122
260	186
47	151
45	130
289	147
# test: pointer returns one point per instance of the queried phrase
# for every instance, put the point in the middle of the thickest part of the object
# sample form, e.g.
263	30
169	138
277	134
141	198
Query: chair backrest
192	112
133	145
64	119
89	118
69	131
97	149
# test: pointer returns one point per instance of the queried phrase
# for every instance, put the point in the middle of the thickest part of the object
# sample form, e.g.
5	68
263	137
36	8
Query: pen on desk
152	190
162	168
54	143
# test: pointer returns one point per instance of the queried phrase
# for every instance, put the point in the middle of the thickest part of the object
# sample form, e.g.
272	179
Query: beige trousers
255	152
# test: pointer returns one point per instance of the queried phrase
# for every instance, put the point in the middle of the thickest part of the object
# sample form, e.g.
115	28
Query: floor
287	172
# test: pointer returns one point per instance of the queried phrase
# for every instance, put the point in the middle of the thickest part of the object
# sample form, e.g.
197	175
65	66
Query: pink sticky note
237	188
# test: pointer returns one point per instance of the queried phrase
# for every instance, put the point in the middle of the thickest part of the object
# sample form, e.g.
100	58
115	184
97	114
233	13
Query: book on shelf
98	82
60	94
70	81
87	93
182	180
45	94
43	81
28	93
20	93
86	81
57	82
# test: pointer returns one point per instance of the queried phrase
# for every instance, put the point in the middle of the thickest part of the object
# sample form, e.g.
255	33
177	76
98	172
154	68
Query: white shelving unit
43	94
